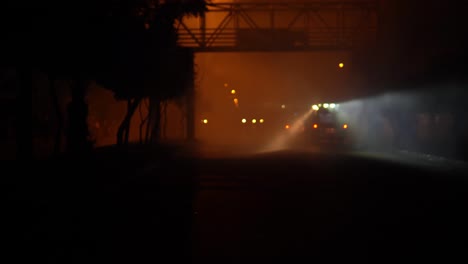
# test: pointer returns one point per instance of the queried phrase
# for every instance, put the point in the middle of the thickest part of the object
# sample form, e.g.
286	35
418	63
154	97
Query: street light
341	65
233	91
244	120
254	121
205	121
261	121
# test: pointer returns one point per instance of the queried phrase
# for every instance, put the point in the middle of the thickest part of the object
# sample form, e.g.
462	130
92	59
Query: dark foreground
155	206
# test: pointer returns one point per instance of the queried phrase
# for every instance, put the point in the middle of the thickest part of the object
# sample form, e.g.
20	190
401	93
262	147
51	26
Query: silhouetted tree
145	61
124	45
15	39
58	114
52	37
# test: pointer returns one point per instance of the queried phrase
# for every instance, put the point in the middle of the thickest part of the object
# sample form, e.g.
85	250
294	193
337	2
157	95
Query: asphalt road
216	206
329	207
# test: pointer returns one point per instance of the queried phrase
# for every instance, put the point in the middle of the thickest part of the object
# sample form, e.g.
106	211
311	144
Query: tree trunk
156	126
142	124
190	102
78	133
58	114
24	135
149	121
182	121
164	119
123	132
127	124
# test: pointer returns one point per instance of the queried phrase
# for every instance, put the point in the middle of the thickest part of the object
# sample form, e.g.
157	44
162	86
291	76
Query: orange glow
225	85
205	121
315	126
341	65
236	101
345	126
233	91
287	126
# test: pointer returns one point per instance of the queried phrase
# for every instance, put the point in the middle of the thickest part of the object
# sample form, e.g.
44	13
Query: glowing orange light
225	85
315	126
287	126
345	126
233	91
341	65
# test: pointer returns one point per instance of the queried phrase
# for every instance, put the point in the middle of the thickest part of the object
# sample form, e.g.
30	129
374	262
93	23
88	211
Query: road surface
206	206
338	207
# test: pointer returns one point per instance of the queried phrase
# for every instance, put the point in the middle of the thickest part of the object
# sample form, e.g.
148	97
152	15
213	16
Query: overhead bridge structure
308	26
287	26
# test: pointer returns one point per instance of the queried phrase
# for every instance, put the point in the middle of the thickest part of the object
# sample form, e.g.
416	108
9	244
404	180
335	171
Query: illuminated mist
263	82
428	121
284	139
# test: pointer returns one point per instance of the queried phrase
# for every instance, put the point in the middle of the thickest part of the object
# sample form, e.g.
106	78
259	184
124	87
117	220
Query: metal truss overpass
309	26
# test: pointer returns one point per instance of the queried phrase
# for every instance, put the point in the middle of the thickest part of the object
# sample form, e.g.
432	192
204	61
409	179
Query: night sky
423	40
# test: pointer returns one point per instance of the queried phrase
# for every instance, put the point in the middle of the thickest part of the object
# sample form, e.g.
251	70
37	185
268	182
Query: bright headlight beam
283	138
